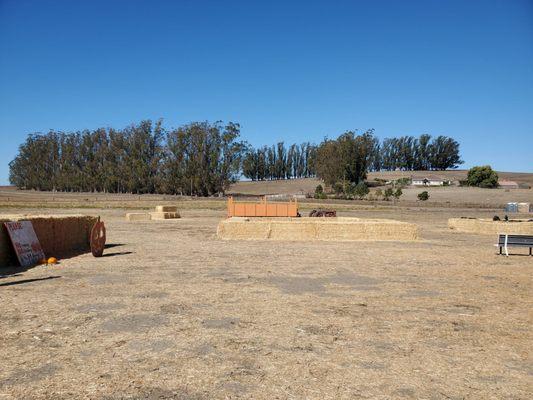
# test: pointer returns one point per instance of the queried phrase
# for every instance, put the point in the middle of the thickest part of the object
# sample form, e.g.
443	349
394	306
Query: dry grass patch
490	227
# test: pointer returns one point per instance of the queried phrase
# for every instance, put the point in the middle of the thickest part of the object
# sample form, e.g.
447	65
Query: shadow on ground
117	253
22	281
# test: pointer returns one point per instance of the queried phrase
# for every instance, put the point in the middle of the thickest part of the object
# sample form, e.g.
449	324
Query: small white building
428	180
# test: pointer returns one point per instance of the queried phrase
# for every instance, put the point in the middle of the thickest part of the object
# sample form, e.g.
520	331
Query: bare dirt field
172	312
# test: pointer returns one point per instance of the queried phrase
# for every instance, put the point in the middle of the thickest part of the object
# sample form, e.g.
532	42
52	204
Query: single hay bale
138	217
348	229
251	230
327	229
343	229
59	235
161	209
7	255
165	215
63	235
293	230
490	227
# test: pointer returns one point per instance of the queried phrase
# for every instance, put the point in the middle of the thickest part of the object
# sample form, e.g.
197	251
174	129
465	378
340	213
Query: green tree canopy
423	196
345	159
204	158
482	176
201	158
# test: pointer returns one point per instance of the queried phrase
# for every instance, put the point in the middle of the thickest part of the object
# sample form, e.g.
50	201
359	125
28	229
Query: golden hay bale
237	229
138	217
165	215
342	230
161	209
490	227
292	230
360	229
6	251
332	229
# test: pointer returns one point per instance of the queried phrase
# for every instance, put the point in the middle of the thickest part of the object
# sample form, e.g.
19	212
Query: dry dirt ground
171	312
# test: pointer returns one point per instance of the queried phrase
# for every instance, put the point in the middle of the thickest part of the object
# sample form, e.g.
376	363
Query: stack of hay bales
490	227
327	229
59	235
165	212
161	212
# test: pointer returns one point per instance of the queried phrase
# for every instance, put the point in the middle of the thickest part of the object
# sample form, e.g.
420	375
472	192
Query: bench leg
506	249
500	250
530	252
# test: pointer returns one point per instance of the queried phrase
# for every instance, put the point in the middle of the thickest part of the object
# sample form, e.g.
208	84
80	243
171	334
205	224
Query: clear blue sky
293	71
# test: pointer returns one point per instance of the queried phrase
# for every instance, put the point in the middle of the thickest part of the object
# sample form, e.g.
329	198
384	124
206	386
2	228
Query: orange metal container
262	209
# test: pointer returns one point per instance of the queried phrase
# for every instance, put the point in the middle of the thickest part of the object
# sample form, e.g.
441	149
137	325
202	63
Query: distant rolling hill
284	186
308	185
452	175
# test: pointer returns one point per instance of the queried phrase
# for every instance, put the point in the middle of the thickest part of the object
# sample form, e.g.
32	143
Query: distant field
308	185
452	196
287	186
449	197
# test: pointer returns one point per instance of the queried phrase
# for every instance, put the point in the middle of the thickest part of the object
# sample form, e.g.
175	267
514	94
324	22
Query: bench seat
506	241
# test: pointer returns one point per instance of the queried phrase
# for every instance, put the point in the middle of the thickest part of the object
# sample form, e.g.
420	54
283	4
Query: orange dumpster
262	209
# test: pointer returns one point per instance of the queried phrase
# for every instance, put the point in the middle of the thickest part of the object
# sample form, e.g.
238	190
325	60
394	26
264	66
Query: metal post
506	249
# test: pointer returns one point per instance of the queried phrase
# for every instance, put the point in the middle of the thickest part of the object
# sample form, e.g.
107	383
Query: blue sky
293	71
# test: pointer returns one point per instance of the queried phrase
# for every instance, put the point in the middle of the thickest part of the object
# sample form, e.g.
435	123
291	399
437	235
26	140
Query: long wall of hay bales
490	227
302	229
58	235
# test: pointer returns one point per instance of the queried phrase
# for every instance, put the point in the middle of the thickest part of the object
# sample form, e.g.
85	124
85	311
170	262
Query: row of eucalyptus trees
200	158
203	158
352	153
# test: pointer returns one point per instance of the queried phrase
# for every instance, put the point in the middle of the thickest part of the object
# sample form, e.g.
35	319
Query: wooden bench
506	241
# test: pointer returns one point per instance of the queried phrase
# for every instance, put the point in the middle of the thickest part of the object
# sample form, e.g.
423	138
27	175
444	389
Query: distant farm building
428	180
508	185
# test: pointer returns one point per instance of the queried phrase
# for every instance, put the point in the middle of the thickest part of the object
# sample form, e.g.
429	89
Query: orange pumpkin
52	260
